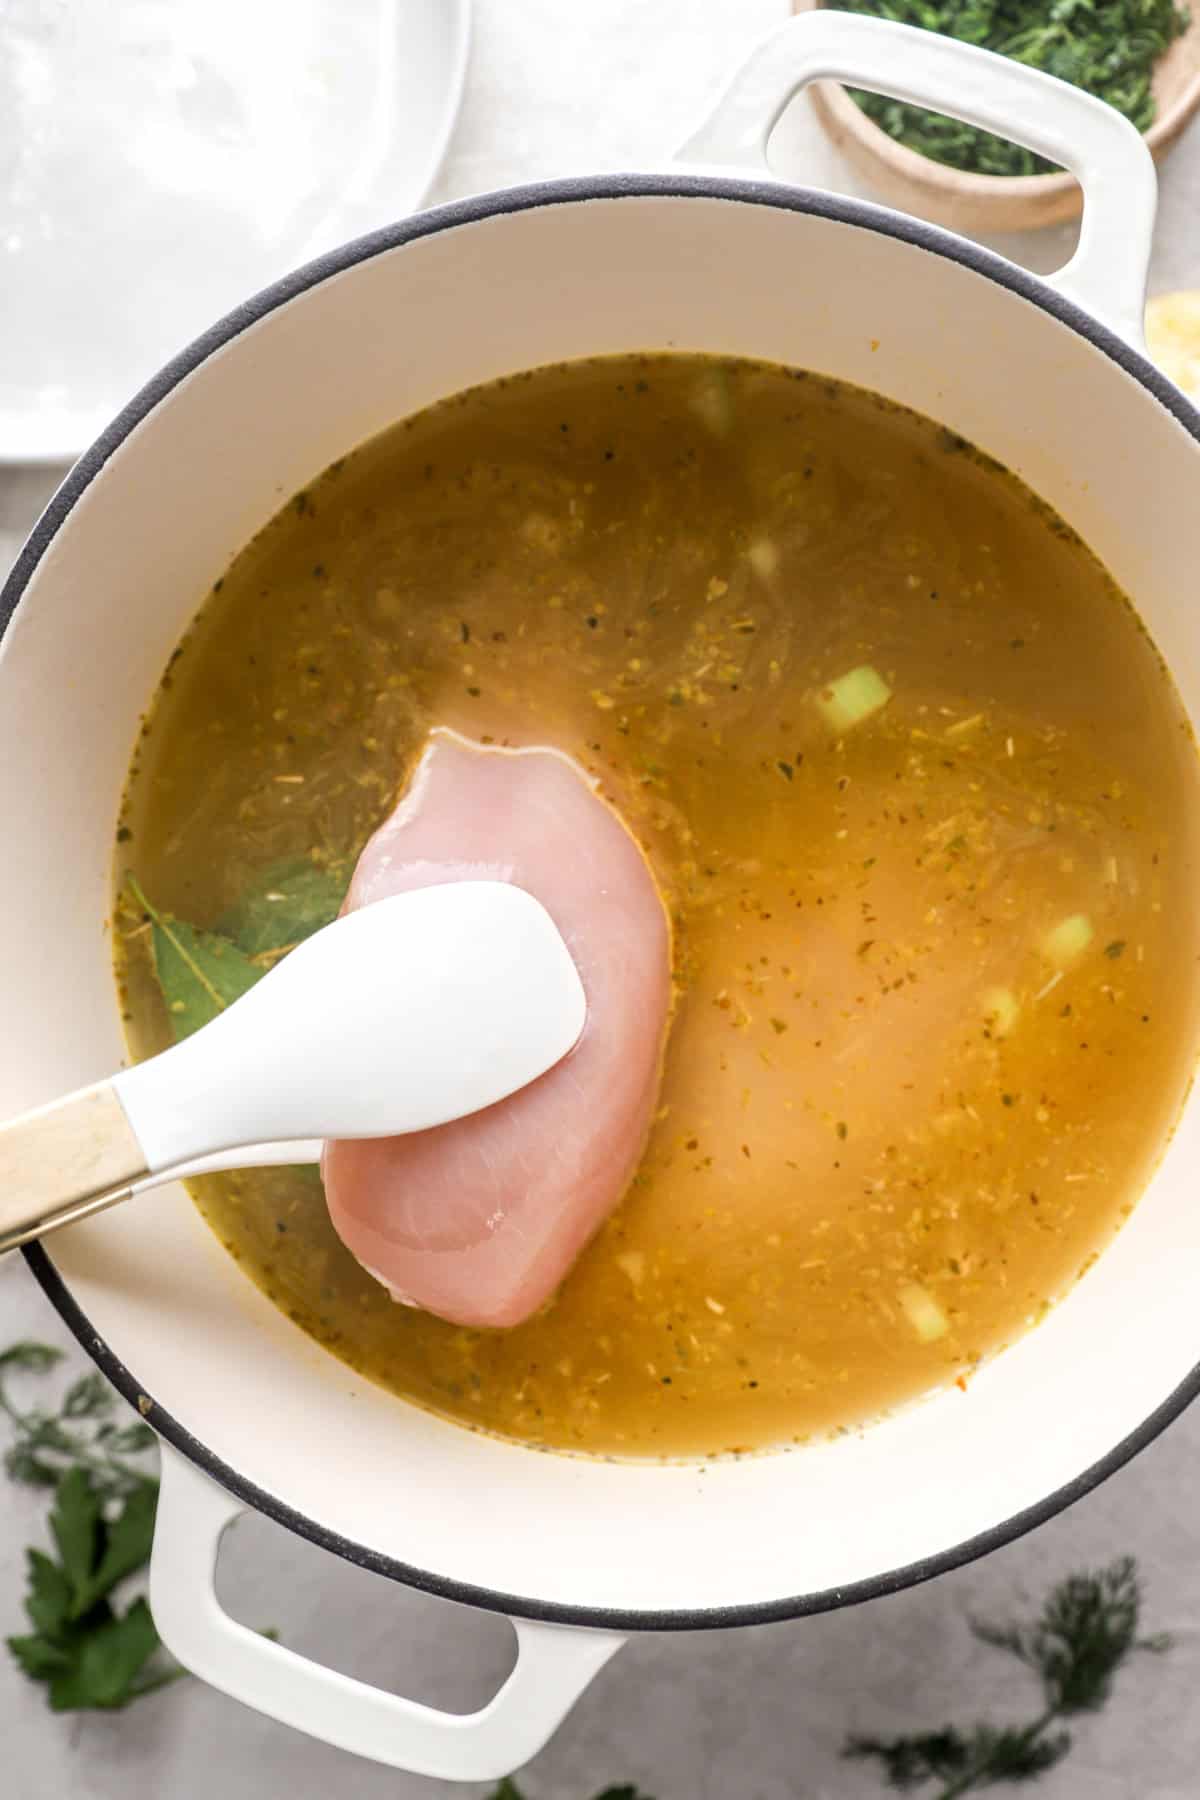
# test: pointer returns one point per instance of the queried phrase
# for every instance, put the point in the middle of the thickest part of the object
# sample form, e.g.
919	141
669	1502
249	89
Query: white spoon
400	1016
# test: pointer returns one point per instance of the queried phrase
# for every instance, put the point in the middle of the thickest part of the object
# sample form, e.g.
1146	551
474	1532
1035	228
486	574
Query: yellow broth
936	1009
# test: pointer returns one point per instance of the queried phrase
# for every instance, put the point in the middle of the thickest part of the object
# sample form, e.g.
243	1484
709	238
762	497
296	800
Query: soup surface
916	788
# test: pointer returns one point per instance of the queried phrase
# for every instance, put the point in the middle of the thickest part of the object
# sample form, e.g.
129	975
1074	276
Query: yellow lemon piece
1173	338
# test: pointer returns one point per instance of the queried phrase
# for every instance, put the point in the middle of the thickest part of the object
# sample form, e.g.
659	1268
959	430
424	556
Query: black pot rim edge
521	199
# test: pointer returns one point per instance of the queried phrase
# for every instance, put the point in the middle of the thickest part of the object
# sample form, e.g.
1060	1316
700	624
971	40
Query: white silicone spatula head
398	1017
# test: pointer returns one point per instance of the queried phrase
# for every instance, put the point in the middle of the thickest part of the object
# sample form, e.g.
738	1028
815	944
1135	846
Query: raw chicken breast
478	1221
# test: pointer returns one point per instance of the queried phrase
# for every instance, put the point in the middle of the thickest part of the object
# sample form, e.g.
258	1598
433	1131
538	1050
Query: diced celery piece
1067	940
1000	1009
853	697
633	1262
712	401
923	1313
763	558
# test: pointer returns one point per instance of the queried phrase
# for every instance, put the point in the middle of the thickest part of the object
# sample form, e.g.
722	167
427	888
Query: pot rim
838	209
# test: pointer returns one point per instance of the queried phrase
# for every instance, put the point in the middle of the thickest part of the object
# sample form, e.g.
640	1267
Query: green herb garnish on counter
81	1647
89	1654
1108	47
1087	1630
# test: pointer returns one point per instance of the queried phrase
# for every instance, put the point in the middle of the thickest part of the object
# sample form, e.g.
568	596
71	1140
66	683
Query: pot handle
1106	154
555	1663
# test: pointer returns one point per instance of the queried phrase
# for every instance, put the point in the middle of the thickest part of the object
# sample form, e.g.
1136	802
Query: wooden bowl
987	203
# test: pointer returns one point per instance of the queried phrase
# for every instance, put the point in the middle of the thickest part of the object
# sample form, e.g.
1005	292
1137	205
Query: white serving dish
162	159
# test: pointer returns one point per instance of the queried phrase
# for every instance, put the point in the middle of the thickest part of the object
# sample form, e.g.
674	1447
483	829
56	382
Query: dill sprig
1087	1630
77	1434
1108	47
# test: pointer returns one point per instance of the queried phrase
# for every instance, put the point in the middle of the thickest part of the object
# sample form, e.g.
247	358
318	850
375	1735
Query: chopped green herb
1115	949
1108	47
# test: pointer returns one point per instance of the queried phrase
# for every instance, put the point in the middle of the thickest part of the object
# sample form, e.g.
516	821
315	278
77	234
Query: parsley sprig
82	1648
1087	1630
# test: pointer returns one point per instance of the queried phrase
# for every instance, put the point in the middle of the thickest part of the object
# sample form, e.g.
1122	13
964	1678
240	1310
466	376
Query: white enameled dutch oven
1046	375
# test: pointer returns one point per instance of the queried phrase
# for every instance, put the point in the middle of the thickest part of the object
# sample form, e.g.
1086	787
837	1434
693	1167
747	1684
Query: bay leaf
285	904
200	972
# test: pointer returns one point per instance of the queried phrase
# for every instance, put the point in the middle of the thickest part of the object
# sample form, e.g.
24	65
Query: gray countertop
753	1715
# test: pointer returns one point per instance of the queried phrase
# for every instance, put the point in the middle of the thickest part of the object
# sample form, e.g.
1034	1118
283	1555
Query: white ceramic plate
160	160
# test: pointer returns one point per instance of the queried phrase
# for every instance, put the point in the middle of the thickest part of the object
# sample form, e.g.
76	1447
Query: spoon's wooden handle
64	1161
